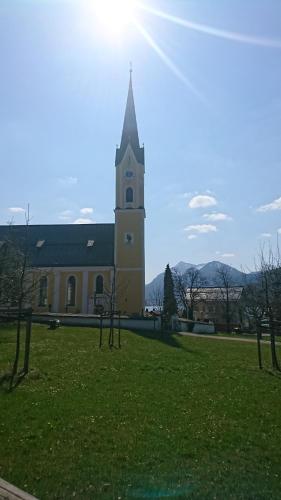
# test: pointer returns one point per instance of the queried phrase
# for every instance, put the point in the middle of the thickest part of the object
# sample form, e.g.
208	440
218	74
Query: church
88	268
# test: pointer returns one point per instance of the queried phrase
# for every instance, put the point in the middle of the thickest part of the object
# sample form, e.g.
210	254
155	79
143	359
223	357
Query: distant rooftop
213	293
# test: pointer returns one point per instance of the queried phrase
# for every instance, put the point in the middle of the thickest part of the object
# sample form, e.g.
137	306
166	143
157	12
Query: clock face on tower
129	174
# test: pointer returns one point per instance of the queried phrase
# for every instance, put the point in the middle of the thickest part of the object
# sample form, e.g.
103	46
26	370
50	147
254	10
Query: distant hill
208	275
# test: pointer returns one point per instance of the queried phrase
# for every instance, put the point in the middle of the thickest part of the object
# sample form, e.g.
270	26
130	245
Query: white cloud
202	228
86	211
83	220
192	236
228	255
265	235
217	216
68	181
274	205
202	201
279	230
65	215
16	210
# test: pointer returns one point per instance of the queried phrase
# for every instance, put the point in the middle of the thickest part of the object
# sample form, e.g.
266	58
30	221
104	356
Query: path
219	337
10	492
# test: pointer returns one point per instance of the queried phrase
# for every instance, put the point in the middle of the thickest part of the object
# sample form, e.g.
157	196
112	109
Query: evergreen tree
169	304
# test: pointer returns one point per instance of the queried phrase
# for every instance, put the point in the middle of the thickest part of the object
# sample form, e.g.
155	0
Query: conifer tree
170	304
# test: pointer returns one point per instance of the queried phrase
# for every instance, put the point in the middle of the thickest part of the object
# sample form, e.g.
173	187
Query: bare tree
252	304
113	290
188	287
181	291
156	296
225	284
194	284
253	309
261	301
270	270
18	286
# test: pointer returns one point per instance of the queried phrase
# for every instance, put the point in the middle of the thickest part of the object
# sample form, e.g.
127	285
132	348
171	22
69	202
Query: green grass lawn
173	417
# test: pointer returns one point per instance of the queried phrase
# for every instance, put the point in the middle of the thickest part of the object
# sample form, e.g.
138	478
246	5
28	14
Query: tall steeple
129	255
130	130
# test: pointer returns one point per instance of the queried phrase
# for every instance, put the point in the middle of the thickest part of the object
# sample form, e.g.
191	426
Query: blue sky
213	154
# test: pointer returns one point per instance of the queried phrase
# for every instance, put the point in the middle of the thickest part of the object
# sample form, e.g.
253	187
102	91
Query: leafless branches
187	288
156	296
224	283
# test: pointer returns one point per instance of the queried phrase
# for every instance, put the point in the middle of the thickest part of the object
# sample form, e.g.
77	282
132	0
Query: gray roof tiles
65	245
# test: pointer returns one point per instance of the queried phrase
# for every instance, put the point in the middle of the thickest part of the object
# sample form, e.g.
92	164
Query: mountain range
208	276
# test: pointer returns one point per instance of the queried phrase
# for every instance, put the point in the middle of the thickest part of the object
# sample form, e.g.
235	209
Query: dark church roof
130	130
64	245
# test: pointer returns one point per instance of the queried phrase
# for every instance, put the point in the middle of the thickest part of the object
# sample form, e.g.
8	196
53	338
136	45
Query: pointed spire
130	128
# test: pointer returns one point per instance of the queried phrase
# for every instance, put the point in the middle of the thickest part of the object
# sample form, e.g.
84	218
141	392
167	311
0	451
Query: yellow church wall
50	288
130	255
92	280
63	292
85	284
129	291
36	276
129	162
106	274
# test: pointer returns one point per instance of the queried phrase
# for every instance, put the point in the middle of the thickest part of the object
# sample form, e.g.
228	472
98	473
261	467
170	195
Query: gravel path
218	337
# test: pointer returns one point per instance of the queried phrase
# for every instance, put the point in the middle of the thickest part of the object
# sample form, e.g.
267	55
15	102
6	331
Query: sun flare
114	16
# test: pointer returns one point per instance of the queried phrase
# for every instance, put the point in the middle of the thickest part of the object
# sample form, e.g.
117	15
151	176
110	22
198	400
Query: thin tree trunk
274	359
259	346
227	312
17	353
27	345
275	364
111	329
190	317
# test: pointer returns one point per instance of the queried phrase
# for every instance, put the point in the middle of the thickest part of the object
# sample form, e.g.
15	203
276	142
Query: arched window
71	286
129	195
99	284
43	289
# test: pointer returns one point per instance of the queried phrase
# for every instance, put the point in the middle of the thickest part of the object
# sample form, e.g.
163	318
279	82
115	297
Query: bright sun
114	15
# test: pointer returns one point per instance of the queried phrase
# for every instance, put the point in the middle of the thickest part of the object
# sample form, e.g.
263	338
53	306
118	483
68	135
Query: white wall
80	320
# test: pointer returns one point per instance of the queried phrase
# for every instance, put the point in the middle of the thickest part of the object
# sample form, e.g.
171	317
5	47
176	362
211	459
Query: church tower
129	215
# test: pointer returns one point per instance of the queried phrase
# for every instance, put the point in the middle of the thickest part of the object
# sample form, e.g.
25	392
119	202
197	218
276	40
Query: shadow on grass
167	338
273	373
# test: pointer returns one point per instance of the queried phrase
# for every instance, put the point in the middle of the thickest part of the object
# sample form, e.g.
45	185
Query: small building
215	303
